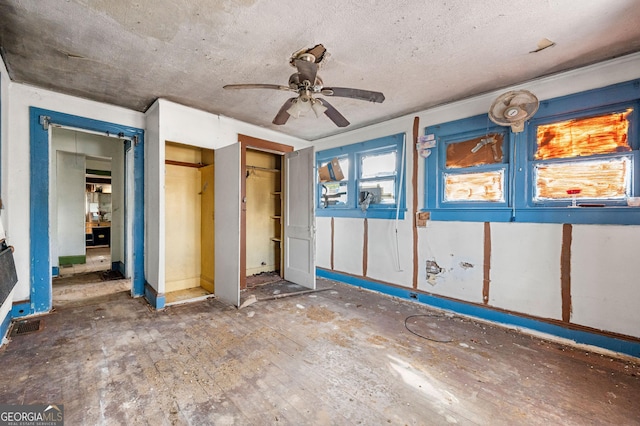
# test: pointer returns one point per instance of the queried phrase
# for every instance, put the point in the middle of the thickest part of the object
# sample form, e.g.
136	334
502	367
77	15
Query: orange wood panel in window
488	150
595	179
485	186
603	134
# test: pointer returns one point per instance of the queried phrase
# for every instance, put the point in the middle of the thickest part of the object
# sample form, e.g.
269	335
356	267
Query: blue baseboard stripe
21	310
611	343
156	300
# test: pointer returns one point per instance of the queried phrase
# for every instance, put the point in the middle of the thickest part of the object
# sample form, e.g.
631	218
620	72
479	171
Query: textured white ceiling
419	53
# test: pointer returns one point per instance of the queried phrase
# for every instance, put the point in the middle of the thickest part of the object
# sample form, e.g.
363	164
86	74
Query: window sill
612	215
358	213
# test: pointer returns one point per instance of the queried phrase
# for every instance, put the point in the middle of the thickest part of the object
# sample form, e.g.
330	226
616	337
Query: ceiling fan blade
307	70
282	116
334	115
345	92
256	86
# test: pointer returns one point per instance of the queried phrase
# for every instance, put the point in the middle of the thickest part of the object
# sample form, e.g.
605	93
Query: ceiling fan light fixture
317	107
299	107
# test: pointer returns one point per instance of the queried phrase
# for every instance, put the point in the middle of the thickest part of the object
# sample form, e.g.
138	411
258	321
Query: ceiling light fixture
317	107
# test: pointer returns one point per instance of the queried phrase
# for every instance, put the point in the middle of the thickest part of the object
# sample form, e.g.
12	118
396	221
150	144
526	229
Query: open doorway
87	205
98	217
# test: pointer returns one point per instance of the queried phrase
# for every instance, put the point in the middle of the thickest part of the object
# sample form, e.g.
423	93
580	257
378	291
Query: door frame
258	145
40	251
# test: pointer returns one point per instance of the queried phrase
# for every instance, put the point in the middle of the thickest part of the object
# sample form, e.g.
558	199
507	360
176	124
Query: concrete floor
340	356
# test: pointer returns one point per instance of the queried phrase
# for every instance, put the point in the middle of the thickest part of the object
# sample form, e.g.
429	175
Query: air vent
27	326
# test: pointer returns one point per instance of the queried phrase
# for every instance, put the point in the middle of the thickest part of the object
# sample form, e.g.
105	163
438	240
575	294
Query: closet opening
189	223
263	179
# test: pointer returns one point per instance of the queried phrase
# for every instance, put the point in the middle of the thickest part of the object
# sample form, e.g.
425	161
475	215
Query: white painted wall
525	268
605	273
457	248
392	261
154	243
525	262
15	158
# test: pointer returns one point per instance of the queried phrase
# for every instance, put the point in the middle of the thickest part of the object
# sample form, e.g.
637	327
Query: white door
299	219
227	224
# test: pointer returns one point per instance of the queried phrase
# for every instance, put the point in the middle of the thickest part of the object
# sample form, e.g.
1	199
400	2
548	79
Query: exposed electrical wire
420	335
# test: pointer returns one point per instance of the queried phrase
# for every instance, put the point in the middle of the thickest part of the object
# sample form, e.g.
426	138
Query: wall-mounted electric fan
513	109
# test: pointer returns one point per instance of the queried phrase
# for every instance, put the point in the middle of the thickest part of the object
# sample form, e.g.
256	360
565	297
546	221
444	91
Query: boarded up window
483	186
475	152
603	134
606	178
595	179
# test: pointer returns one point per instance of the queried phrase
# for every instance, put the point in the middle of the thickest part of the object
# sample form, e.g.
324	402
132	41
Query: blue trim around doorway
611	343
39	235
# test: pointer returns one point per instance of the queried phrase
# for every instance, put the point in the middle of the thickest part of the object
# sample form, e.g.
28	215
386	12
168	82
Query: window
580	150
372	171
334	193
588	158
474	169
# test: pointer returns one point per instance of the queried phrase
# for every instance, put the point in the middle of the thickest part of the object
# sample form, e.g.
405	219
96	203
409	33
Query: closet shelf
264	169
184	164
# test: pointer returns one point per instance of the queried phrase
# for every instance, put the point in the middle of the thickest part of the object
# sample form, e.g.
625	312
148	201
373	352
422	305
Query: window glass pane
485	186
605	179
383	191
475	152
375	165
602	134
344	166
334	194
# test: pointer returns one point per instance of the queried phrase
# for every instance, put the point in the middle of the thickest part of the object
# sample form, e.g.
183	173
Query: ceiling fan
513	108
307	83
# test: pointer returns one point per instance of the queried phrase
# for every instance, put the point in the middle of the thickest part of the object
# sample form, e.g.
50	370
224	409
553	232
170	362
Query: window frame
435	169
354	153
532	145
521	206
504	165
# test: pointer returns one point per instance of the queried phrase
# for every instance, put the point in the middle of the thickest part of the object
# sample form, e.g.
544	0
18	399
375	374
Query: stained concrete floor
338	357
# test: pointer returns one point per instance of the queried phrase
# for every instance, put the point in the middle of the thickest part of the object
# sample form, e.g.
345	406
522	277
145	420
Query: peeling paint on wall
433	269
